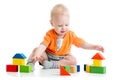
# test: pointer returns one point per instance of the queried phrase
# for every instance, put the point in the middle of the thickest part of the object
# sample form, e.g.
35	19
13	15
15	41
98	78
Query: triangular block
98	56
63	72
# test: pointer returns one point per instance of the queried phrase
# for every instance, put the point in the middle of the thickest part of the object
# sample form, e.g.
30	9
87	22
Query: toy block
98	69
73	69
98	56
84	67
18	61
63	72
19	55
67	68
97	62
78	68
25	68
87	68
11	68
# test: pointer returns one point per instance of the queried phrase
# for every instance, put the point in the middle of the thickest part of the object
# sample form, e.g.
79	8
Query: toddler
55	48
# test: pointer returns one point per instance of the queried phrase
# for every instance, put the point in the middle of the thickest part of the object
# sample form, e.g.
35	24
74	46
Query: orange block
63	72
73	69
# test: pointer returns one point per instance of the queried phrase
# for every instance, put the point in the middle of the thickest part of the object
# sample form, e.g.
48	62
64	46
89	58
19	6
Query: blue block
84	67
78	68
19	55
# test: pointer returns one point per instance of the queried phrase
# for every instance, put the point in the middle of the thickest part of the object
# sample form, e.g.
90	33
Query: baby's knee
74	62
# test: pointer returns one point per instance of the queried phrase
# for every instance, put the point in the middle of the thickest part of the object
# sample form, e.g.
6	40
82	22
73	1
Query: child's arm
86	45
39	52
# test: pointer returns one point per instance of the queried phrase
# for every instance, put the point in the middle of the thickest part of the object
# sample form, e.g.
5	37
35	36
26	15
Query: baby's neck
60	36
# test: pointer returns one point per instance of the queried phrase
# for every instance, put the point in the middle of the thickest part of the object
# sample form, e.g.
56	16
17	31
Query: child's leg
68	61
54	64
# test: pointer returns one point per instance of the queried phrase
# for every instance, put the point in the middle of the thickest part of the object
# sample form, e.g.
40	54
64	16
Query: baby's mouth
62	31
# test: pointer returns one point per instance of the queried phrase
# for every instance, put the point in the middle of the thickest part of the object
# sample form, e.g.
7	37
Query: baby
55	48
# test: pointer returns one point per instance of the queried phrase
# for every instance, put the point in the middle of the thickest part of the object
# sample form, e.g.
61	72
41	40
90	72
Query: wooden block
18	61
25	68
11	68
63	72
84	67
97	62
78	68
98	69
87	68
67	68
98	56
19	55
73	69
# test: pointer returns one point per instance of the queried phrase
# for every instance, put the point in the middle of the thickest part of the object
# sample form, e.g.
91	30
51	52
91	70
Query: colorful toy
12	68
25	68
19	64
66	70
19	59
63	72
96	67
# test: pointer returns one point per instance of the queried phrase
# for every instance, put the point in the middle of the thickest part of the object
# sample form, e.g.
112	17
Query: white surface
23	24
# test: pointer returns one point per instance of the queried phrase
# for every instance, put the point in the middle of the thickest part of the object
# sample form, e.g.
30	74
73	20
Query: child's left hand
99	48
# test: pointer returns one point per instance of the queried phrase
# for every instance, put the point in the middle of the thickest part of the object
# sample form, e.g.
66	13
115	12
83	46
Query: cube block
25	68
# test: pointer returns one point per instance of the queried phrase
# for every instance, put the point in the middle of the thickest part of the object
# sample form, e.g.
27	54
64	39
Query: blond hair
59	8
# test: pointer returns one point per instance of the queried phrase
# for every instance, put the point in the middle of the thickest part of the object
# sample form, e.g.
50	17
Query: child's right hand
35	58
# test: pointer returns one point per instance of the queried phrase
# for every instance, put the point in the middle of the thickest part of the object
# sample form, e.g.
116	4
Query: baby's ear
51	22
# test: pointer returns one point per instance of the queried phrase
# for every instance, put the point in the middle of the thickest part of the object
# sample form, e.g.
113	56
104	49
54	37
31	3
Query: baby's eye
66	25
59	25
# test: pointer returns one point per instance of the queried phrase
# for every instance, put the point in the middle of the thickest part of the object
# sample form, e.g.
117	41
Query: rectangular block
87	68
25	68
11	68
97	63
84	67
78	68
73	69
18	61
98	69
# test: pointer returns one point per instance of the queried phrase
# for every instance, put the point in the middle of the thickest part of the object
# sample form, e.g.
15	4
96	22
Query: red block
63	72
11	68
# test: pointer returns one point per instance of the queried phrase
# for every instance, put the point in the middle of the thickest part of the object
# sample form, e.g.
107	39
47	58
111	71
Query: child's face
61	24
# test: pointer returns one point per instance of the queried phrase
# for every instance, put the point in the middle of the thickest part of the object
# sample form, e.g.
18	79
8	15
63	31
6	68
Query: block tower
18	64
96	67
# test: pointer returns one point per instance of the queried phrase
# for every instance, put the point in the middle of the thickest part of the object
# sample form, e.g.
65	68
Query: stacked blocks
96	67
19	59
18	64
66	70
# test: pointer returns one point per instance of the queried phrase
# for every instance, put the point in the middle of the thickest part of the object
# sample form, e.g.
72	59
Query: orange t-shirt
50	40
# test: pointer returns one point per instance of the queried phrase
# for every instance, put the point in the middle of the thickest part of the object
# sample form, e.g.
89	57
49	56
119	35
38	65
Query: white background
23	24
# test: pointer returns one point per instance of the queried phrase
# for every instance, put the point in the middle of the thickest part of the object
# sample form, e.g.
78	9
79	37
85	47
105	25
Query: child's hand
35	58
99	48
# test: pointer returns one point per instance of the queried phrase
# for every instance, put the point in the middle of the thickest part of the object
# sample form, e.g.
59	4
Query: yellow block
97	63
18	61
87	68
73	69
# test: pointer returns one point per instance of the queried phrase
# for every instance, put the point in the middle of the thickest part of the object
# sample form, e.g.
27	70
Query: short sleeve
77	41
47	39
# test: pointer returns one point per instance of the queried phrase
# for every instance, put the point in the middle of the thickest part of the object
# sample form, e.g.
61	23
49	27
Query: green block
25	68
67	68
98	69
